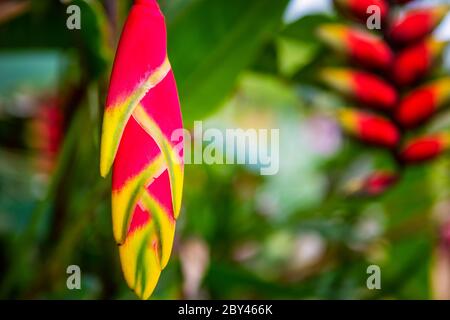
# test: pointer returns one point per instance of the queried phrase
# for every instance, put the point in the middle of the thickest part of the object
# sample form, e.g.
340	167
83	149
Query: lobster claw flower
364	87
416	24
415	62
369	128
422	103
357	9
142	111
425	148
393	60
358	46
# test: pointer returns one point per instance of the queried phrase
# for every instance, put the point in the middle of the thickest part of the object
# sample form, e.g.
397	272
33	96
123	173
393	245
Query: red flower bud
369	128
360	47
378	182
425	148
416	24
414	62
141	114
422	103
374	184
366	88
357	9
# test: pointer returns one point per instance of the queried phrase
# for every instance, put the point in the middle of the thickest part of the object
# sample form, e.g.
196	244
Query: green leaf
94	34
293	55
298	53
304	29
212	42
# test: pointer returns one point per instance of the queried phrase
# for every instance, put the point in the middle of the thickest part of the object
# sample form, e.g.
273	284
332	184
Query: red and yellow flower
416	24
142	111
389	67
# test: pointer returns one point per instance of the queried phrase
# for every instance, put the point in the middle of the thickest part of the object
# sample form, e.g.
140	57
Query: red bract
357	9
378	182
425	148
369	128
421	104
360	47
413	63
369	51
364	87
416	24
374	91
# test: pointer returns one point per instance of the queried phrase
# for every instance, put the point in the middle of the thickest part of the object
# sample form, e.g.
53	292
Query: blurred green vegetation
293	235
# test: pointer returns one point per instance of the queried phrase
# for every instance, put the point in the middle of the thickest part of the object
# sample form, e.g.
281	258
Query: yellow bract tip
347	118
140	261
337	78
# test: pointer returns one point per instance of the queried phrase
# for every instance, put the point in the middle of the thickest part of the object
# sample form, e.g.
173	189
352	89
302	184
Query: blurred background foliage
239	64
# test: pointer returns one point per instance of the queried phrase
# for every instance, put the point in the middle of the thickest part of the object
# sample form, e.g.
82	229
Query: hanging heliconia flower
391	74
142	111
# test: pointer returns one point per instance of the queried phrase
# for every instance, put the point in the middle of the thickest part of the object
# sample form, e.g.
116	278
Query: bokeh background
239	64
